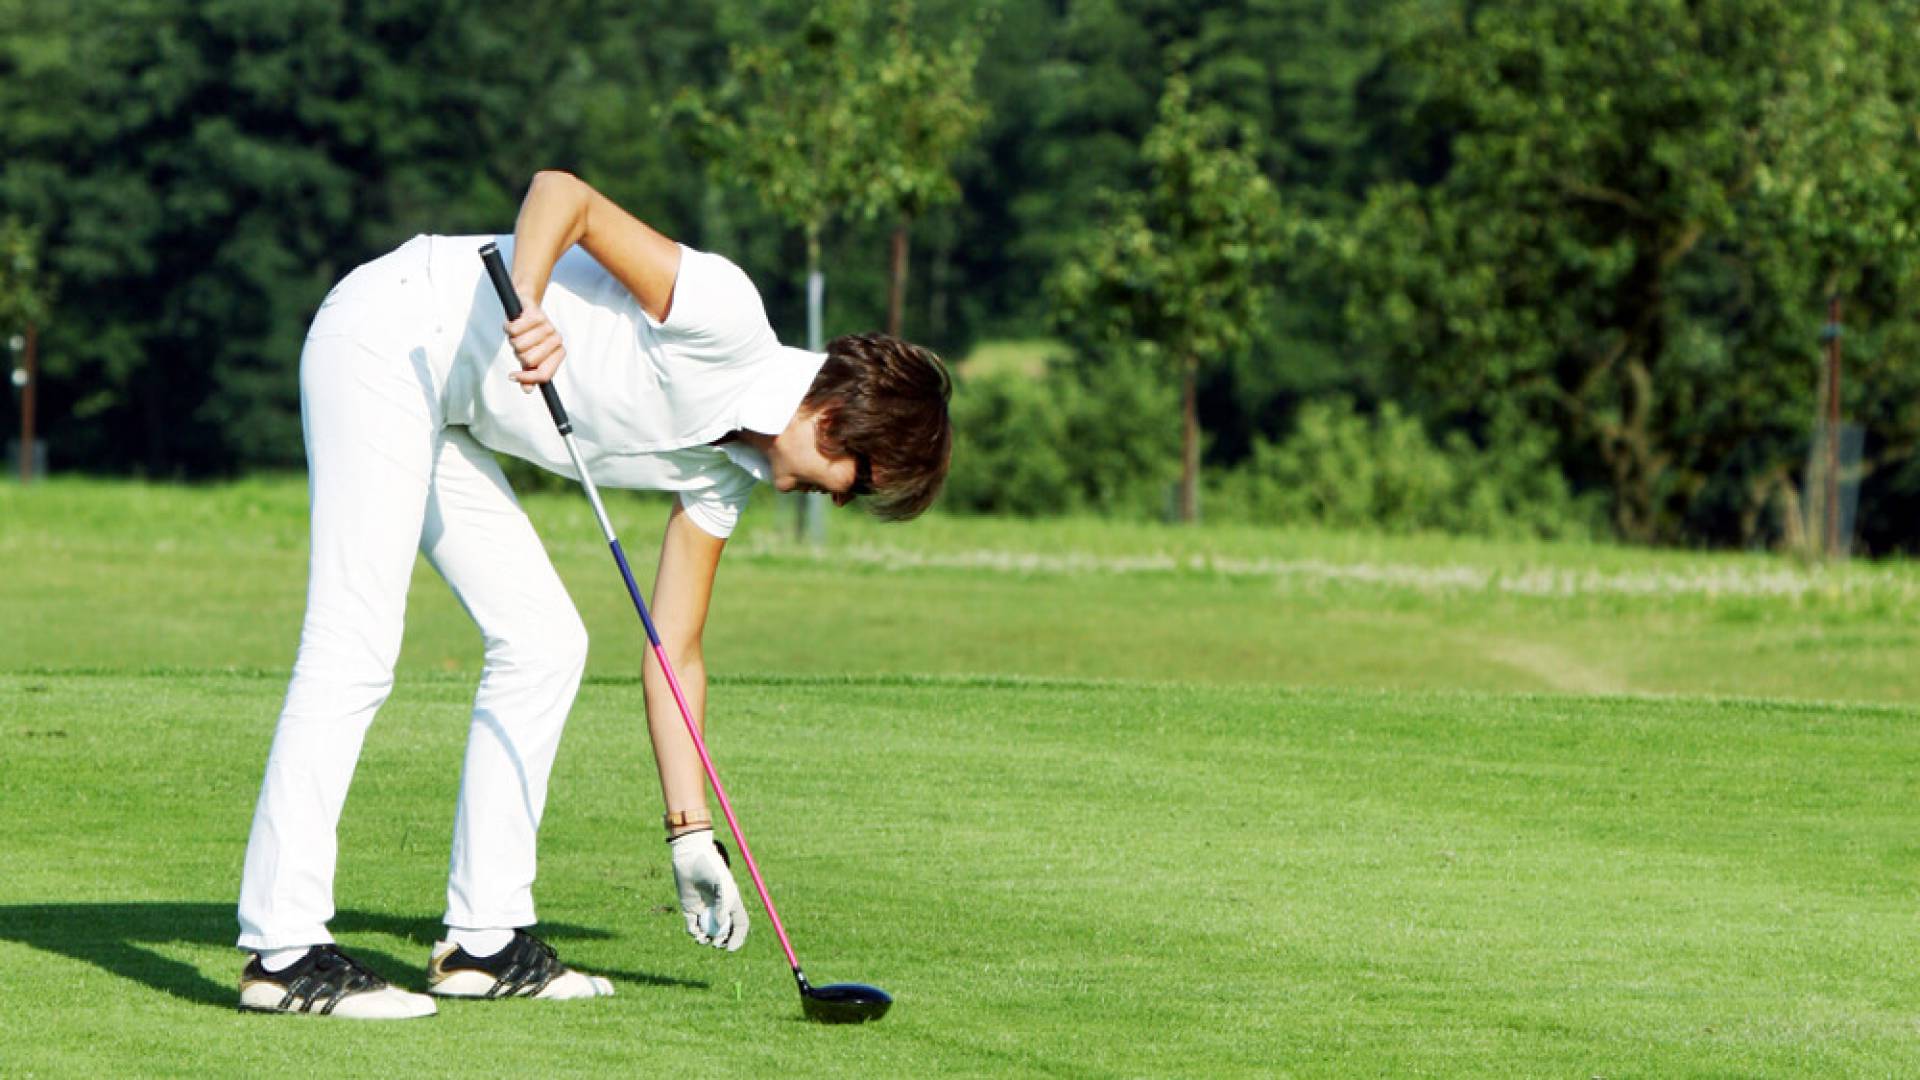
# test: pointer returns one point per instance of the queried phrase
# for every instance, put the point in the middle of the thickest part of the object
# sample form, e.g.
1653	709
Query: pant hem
263	942
512	921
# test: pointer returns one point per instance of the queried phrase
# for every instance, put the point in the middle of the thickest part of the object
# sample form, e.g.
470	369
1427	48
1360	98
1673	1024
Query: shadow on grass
119	938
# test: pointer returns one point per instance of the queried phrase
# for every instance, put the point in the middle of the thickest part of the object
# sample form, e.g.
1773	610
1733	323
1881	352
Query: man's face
798	464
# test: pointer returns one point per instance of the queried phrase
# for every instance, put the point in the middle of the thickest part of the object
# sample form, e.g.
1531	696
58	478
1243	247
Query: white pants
387	478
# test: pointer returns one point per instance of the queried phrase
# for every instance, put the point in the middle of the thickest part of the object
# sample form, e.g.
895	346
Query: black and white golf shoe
526	968
328	982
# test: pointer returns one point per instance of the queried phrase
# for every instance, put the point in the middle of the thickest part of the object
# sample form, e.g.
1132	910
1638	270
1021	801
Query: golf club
840	1003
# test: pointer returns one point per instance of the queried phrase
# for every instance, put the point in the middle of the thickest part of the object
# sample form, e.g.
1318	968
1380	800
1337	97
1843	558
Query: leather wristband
680	819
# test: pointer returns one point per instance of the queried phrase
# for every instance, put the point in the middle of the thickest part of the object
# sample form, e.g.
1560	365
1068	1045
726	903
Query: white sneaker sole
572	986
569	987
387	1003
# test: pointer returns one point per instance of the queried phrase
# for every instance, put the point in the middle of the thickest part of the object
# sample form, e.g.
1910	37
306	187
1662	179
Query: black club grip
510	300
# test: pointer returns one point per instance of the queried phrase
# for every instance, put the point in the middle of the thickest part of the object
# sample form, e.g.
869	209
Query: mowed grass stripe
125	576
1807	706
1054	878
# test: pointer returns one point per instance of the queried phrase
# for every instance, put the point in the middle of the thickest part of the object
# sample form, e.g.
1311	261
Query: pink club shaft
713	777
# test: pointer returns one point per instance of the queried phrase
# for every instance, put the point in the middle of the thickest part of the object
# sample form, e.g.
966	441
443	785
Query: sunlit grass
1011	356
1052	878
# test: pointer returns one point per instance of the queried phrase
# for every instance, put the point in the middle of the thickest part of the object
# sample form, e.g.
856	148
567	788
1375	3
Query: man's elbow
556	178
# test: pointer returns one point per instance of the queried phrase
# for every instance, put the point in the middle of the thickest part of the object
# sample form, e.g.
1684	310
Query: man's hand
708	897
536	342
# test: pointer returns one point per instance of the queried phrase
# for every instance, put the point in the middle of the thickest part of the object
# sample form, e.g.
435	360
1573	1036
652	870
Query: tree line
1539	265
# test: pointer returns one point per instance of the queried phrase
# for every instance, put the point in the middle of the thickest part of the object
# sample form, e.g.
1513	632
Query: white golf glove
708	897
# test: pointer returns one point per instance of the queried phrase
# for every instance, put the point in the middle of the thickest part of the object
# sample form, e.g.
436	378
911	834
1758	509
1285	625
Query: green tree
1074	90
920	111
1629	219
786	121
1176	273
846	115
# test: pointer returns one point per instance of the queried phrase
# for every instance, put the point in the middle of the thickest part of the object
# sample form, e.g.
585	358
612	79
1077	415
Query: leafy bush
1342	469
1123	433
1010	441
1105	439
1081	437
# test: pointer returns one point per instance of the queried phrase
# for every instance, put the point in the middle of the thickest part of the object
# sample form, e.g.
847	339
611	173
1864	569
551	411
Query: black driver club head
844	1003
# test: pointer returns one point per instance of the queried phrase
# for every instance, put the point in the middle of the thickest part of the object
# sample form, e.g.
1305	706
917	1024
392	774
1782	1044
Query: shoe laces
335	968
540	945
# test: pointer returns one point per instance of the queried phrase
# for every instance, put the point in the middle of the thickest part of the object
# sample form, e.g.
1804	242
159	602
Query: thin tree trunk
1636	456
938	274
1189	441
897	278
1645	462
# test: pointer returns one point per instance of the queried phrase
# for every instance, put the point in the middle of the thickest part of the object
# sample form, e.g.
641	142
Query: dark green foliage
204	170
1631	235
25	289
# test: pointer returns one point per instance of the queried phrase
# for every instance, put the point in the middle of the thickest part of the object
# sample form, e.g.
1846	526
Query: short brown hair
885	401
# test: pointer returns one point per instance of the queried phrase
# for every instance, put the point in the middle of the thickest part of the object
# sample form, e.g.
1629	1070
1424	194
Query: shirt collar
776	393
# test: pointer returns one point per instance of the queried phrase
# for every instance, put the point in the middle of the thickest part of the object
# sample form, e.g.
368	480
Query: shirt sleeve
716	510
716	311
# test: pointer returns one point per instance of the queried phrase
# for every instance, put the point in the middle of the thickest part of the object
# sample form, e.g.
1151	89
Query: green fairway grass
1054	878
1089	800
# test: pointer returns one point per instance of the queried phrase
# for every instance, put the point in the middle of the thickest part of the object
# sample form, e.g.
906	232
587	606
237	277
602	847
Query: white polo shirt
647	399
